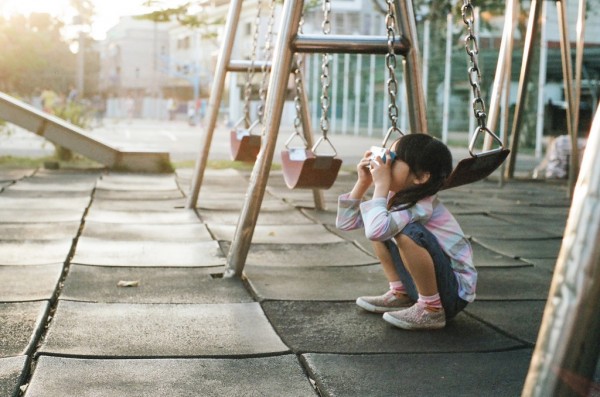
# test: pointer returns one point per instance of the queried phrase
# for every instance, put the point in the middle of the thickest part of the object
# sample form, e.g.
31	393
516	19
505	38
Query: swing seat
244	146
476	167
302	169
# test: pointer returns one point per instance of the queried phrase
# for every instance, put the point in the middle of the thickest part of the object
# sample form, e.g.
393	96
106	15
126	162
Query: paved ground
111	288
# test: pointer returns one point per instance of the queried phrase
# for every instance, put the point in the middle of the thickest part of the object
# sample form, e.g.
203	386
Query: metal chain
262	93
325	81
390	62
250	74
472	48
298	83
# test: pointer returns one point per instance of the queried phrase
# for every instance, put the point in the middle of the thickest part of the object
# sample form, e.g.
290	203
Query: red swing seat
304	169
244	146
478	166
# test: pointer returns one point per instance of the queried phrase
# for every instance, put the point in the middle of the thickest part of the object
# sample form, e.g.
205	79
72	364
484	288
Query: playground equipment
65	134
244	141
305	167
567	345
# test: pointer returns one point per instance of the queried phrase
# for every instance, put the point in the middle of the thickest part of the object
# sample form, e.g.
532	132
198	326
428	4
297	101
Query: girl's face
402	176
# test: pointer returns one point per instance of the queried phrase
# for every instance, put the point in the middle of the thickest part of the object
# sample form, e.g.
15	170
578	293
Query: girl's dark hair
422	153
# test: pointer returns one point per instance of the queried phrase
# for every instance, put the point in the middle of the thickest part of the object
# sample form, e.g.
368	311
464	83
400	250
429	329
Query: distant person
555	164
171	108
426	258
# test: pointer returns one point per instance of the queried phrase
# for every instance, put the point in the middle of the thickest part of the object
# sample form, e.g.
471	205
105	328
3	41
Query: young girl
424	253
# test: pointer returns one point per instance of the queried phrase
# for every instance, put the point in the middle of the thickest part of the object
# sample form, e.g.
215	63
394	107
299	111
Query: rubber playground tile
22	322
262	376
38	231
303	255
325	217
138	205
156	285
221	177
357	236
550	222
526	283
62	185
484	257
12	370
151	217
519	319
286	217
21	202
496	374
146	232
310	284
342	327
27	215
138	194
226	202
9	175
526	249
136	182
102	252
29	283
481	225
280	234
34	252
160	330
548	264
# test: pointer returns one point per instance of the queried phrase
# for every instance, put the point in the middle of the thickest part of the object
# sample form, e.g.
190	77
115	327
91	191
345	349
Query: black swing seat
303	169
244	145
476	167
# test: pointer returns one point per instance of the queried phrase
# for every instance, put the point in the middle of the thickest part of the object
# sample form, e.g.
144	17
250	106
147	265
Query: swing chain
390	62
472	49
325	81
298	83
250	73
262	93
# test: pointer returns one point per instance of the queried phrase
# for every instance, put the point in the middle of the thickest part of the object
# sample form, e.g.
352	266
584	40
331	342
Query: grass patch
222	164
77	162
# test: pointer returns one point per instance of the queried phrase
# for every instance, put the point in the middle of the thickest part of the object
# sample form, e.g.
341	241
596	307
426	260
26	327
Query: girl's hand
364	180
381	173
364	174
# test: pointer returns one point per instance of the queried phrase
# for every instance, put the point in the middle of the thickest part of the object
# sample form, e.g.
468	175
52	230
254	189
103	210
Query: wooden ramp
74	138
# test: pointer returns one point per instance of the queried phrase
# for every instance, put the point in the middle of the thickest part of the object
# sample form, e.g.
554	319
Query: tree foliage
34	55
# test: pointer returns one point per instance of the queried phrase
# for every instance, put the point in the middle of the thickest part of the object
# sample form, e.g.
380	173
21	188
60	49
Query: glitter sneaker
384	303
417	317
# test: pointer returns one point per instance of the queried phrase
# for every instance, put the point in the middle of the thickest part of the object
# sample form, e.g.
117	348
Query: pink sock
397	286
432	302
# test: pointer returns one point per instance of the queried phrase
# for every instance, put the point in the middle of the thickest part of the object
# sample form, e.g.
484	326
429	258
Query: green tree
34	56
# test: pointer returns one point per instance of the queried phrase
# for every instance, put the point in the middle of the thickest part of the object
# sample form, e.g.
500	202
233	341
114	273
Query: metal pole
566	352
500	76
280	73
334	93
567	68
534	16
579	62
346	44
345	94
507	86
539	125
577	93
417	108
214	102
358	93
426	53
447	78
371	109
